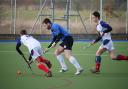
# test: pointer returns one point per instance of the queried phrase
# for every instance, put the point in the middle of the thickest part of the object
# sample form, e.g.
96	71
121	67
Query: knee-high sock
74	62
62	62
41	59
43	68
121	57
98	61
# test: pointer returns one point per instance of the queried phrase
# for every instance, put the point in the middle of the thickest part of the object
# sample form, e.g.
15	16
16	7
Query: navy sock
98	61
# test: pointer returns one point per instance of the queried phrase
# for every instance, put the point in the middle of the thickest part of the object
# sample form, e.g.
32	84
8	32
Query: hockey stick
88	46
27	63
53	45
45	51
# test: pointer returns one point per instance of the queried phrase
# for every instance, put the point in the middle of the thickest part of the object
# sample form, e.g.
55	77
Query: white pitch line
49	53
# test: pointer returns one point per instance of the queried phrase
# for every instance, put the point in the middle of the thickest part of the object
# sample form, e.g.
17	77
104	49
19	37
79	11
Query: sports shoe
127	57
95	71
49	74
49	65
63	70
79	71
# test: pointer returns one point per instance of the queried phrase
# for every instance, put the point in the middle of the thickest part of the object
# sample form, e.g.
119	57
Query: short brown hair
96	14
46	20
23	32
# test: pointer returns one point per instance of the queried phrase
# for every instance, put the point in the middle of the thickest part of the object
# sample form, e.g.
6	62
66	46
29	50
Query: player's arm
50	45
97	39
30	59
58	37
18	47
107	27
55	40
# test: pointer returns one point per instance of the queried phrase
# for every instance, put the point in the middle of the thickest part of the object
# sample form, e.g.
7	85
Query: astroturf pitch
114	74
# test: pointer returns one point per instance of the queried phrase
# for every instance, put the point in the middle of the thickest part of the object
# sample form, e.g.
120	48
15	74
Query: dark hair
96	14
46	20
23	32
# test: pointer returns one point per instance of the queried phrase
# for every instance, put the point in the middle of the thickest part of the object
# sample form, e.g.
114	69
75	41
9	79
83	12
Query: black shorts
67	43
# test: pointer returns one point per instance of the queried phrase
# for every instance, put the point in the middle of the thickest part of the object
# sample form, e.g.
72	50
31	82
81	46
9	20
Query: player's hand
93	42
53	45
46	50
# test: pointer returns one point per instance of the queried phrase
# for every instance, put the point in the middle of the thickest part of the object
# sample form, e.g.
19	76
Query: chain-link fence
5	17
21	14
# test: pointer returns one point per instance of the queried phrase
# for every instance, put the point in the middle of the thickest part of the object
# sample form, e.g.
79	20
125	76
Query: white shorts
36	52
109	46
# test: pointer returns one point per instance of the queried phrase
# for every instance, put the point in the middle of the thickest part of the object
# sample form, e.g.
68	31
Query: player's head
23	32
47	23
95	16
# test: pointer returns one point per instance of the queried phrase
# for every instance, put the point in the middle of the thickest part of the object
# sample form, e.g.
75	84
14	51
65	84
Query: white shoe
63	70
79	71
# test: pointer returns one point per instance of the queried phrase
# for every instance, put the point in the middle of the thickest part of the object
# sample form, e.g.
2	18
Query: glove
46	50
93	42
53	45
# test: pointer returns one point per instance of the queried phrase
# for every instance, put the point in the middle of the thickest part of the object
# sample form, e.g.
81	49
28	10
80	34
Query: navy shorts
67	43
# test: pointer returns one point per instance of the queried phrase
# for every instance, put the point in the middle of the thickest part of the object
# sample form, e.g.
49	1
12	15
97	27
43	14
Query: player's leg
73	60
60	58
106	45
98	60
112	53
44	60
67	45
36	55
42	67
117	57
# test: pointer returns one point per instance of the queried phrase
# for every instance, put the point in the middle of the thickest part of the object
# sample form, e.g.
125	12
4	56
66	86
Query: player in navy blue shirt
104	30
60	34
